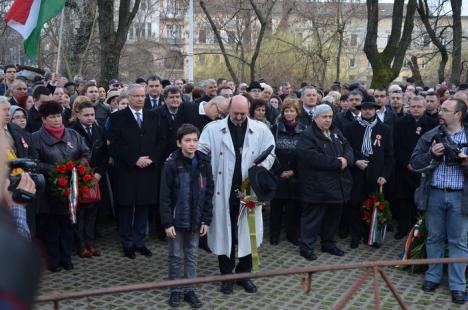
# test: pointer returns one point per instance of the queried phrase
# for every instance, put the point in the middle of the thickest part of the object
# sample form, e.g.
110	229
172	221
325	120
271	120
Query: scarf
366	148
57	133
290	126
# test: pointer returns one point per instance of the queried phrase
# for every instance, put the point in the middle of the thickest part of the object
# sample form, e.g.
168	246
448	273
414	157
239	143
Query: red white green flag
29	16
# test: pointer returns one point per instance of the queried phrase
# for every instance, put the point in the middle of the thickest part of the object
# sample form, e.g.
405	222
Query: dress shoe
400	235
192	299
248	285
94	251
355	243
55	269
129	252
429	286
309	255
144	251
227	287
274	240
174	299
333	251
458	297
68	266
293	240
84	253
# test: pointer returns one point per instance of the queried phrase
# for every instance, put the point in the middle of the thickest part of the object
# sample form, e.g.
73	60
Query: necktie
89	130
155	102
138	119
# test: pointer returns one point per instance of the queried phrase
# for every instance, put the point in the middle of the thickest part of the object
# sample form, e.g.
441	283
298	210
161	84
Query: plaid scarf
366	148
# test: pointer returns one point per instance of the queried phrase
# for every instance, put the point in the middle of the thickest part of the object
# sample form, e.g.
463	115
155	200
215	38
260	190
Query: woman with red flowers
56	144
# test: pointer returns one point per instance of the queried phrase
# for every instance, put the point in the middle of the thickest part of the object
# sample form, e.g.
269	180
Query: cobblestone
277	293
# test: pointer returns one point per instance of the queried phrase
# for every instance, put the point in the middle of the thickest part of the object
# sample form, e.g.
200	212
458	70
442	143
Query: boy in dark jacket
186	209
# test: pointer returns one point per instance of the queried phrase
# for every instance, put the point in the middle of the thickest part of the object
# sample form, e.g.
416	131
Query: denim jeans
183	254
445	221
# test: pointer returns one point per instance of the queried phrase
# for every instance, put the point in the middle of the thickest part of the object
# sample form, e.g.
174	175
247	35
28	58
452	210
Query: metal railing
373	267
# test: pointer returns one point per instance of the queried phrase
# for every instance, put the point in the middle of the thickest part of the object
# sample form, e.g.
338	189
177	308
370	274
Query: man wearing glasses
10	76
255	90
443	194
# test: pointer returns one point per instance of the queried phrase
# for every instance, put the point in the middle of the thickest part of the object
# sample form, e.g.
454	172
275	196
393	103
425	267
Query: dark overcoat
134	185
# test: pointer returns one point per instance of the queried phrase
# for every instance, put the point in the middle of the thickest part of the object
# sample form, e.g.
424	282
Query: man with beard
19	93
372	145
408	130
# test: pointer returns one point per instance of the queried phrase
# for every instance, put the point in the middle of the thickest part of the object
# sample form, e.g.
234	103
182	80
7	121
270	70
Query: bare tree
457	41
113	40
386	65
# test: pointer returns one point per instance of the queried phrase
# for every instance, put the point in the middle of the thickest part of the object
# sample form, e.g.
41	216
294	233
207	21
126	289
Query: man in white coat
233	143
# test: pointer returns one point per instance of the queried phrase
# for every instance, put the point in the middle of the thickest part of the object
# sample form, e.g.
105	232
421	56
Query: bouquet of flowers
70	180
415	247
376	212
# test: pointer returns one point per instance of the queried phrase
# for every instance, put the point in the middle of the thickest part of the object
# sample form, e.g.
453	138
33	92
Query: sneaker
192	299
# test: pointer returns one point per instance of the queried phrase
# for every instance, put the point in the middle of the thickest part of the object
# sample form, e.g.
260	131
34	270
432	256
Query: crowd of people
172	156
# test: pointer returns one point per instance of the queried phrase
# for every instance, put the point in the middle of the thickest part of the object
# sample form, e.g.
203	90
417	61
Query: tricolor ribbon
73	196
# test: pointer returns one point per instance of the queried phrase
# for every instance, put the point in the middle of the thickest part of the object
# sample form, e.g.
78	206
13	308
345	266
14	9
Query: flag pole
59	52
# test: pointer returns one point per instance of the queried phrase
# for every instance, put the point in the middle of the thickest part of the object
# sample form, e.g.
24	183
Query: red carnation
87	177
84	189
62	182
250	204
366	216
67	192
70	166
61	169
81	169
381	206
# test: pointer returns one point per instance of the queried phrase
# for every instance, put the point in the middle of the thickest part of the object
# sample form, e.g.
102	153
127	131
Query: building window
354	40
202	36
352	62
169	31
444	40
201	59
149	32
173	7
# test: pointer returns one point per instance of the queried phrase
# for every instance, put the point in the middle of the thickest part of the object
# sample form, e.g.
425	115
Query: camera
452	149
25	165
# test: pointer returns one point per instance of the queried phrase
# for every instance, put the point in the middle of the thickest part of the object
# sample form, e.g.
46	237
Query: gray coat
422	158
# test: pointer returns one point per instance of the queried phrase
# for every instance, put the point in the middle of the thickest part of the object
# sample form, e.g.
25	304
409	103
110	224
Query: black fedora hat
254	85
368	102
263	182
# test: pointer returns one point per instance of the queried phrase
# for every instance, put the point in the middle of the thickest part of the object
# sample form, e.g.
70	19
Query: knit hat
322	108
15	108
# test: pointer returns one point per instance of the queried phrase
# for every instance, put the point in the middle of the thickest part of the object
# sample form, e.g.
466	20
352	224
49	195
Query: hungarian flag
29	16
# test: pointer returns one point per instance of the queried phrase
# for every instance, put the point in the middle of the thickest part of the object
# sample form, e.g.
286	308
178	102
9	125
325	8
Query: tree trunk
416	72
457	42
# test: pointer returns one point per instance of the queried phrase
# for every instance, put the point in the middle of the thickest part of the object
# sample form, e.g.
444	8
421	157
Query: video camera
452	149
25	165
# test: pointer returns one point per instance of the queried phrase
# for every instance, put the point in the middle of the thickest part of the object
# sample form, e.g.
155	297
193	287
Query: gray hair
204	84
16	82
171	89
133	86
418	98
4	99
322	108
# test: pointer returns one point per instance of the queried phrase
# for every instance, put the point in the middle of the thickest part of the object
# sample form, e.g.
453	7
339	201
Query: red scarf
56	132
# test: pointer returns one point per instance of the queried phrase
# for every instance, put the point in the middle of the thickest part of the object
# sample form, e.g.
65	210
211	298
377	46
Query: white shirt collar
134	111
201	108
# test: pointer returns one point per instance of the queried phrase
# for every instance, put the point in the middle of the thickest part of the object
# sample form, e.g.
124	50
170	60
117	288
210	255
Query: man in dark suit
40	95
154	98
309	100
204	112
408	130
396	103
343	119
385	115
372	144
138	144
95	138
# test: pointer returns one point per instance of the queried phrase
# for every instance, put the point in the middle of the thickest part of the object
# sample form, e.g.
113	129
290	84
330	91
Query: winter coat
320	174
286	159
51	153
216	141
186	196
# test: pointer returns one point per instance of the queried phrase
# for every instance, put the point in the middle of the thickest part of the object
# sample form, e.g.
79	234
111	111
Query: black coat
34	120
23	142
342	119
406	135
171	126
320	174
149	106
381	162
51	153
134	185
97	145
305	118
192	116
286	159
186	195
390	118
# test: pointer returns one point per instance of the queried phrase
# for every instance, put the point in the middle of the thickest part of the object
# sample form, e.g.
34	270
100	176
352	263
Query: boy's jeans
445	221
183	253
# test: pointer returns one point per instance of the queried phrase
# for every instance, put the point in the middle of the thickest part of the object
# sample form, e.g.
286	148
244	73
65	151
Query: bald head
462	96
238	109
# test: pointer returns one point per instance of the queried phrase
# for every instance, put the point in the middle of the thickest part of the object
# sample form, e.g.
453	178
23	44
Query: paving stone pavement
112	269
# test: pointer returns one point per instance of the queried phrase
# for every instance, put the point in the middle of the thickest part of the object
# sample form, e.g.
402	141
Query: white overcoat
216	141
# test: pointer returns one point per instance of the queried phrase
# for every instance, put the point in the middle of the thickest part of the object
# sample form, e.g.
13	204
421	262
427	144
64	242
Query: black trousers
319	218
133	225
292	217
87	215
58	235
227	264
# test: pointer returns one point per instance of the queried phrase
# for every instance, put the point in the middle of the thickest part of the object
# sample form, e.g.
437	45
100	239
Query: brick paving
112	269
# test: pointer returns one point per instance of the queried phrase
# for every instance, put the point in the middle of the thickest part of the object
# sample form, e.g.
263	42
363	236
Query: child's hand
170	232
203	230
